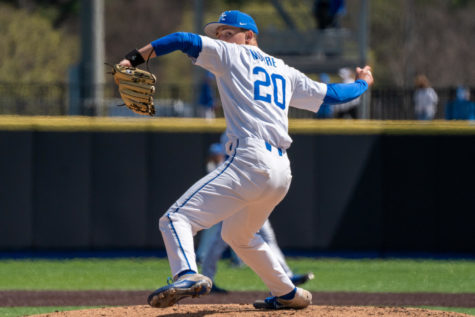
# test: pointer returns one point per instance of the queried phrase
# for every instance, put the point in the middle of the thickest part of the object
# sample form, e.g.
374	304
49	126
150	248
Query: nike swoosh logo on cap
240	23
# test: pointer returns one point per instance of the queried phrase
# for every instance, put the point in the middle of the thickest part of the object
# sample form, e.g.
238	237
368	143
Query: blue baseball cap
234	18
216	149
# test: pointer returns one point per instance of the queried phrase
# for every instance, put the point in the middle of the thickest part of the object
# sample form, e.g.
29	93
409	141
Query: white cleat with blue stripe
188	285
301	299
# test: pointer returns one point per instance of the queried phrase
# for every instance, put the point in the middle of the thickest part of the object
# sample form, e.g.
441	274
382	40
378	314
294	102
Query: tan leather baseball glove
136	88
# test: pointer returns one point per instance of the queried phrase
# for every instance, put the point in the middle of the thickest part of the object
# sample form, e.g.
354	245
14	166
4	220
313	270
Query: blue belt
269	148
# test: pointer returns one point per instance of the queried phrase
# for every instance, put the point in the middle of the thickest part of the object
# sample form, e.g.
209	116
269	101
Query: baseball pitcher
256	91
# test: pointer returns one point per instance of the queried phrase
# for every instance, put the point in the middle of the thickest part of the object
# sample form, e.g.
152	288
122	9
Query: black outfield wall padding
16	185
61	191
119	190
106	189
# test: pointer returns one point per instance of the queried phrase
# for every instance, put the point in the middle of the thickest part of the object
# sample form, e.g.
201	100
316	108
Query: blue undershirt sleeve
188	43
341	93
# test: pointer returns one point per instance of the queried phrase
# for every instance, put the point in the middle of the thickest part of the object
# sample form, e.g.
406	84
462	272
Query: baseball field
342	287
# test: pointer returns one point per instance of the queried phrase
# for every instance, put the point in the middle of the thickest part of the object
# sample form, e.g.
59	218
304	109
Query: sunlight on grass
24	311
362	275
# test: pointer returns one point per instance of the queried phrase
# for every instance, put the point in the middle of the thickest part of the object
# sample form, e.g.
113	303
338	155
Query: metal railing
175	100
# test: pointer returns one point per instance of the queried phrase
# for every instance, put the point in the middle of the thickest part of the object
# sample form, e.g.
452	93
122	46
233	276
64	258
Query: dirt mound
218	310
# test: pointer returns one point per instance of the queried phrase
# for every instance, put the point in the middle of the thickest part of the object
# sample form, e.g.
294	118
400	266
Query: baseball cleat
301	300
189	285
299	279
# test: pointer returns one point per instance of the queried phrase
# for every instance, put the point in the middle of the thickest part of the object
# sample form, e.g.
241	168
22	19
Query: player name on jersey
266	59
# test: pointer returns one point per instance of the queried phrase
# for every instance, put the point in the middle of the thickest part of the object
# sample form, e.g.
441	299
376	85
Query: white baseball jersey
256	90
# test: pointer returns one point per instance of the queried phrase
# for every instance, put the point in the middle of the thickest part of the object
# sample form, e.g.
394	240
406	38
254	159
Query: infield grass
362	275
25	311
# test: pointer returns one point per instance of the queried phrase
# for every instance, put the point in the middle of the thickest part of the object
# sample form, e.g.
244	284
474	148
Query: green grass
331	275
361	275
83	274
389	275
24	311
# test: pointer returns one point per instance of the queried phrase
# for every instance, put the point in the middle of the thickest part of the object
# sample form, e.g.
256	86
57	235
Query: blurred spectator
206	98
325	111
347	109
211	246
216	156
209	264
327	13
461	108
425	99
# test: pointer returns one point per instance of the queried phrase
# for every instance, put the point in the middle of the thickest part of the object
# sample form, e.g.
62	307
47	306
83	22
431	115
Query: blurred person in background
461	108
210	261
425	99
216	156
348	110
206	98
327	13
211	245
325	111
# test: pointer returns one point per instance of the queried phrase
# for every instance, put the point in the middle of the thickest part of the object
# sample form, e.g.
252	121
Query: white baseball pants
242	193
212	256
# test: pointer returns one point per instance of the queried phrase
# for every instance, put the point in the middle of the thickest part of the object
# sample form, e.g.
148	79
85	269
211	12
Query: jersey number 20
277	82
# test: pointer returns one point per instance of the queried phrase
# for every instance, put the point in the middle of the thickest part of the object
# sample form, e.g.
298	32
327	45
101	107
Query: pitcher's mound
249	310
